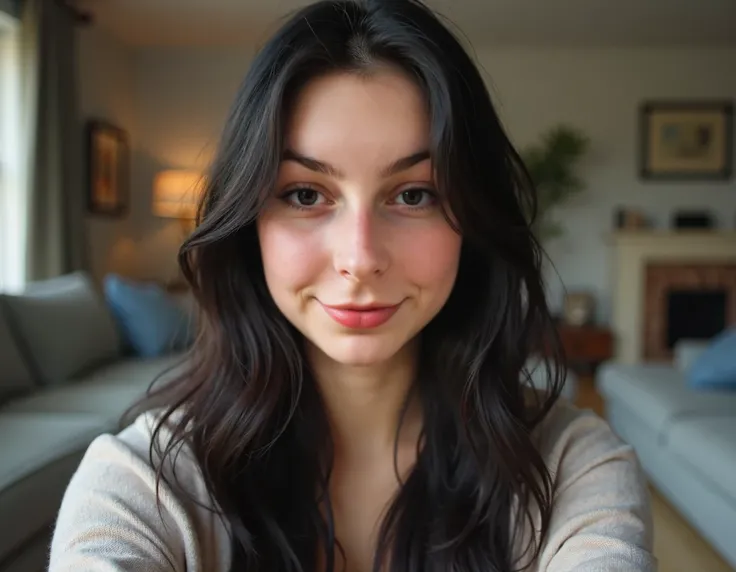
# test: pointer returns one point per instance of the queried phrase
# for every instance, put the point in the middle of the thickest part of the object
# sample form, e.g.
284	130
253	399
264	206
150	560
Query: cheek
291	257
431	258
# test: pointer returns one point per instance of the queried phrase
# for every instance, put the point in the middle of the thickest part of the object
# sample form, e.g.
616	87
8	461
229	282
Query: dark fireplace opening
695	314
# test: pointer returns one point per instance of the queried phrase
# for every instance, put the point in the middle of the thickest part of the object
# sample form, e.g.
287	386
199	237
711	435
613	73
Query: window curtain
53	186
10	7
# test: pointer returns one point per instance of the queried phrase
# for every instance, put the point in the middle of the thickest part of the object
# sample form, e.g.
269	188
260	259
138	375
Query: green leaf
552	167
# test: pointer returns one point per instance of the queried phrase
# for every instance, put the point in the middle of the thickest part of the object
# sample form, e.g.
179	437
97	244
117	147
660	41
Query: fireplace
693	301
652	271
695	314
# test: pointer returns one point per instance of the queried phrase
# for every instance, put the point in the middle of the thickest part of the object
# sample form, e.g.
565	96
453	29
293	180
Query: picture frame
686	140
108	169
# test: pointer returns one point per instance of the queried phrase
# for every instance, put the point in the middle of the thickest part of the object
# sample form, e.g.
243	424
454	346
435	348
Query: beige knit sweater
109	521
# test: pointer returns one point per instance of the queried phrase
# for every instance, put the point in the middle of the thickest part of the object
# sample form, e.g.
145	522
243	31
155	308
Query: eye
302	197
416	197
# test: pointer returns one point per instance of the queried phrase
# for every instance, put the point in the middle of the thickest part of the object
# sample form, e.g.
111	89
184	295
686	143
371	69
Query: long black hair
251	411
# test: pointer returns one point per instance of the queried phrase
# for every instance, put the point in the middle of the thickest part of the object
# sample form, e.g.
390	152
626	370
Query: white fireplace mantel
632	251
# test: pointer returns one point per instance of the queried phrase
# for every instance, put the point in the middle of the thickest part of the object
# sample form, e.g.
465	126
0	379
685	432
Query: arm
602	517
109	520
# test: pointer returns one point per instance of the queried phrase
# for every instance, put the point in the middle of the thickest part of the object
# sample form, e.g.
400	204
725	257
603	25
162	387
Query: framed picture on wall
686	140
108	169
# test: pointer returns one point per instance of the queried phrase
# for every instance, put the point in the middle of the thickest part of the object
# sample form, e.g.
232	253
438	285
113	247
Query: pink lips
361	317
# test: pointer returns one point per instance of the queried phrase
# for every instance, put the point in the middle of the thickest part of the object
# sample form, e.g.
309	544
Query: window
12	196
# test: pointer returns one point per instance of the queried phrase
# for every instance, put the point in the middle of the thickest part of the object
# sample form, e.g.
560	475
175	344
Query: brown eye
303	198
417	198
306	197
412	197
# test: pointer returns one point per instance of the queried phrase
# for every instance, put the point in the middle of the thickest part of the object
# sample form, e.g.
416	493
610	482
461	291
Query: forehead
375	115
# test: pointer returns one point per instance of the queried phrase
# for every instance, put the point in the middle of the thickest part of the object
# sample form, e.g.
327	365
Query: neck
364	404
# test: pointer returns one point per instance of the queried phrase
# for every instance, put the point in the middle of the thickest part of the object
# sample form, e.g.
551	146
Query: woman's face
356	251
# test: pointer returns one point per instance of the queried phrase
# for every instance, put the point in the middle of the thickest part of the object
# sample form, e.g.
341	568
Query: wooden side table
586	346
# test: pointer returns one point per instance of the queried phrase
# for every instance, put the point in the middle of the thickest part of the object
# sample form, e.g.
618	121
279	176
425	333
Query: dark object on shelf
630	219
578	308
82	17
693	219
686	140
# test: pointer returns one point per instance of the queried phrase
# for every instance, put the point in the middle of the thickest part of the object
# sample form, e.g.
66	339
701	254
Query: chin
361	351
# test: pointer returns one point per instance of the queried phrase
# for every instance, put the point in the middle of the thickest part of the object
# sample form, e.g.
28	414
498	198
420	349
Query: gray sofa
685	439
65	378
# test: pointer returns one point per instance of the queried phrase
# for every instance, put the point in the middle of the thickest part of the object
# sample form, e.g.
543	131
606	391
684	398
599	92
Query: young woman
370	293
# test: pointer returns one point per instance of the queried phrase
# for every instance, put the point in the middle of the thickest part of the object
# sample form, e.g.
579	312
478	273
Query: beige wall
106	92
173	104
181	97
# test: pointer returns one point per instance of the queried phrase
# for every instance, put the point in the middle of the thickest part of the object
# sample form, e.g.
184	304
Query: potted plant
552	166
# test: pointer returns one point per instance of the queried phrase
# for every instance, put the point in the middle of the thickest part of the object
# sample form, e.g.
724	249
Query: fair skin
359	257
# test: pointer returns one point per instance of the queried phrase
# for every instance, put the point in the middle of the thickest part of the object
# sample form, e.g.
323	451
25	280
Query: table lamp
176	194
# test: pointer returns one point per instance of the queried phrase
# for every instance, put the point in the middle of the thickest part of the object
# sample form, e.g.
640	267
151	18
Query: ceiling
565	23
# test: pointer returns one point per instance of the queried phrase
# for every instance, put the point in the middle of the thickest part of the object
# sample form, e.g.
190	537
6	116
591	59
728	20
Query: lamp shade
176	193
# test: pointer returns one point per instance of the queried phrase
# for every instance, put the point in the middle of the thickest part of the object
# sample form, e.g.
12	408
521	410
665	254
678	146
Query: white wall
106	91
182	96
600	91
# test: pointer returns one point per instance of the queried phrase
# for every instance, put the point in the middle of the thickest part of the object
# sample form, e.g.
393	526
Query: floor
677	546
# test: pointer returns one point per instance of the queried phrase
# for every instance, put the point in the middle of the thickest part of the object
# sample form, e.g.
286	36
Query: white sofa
64	379
685	439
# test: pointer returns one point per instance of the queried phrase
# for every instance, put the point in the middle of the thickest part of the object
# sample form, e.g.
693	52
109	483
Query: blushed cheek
291	256
431	259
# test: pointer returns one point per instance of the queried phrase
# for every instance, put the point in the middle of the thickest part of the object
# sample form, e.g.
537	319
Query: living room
154	80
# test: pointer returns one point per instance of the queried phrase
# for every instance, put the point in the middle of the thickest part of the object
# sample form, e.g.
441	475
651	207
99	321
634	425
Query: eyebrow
325	168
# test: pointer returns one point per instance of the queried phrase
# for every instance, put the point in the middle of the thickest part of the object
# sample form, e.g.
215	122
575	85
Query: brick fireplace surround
647	265
662	278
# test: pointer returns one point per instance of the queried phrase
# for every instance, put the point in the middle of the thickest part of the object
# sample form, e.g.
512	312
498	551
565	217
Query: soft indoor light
176	194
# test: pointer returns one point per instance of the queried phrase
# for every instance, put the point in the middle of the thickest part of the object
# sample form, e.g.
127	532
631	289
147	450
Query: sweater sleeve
601	519
110	521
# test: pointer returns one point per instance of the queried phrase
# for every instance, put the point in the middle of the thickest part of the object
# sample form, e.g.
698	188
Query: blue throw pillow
151	321
715	368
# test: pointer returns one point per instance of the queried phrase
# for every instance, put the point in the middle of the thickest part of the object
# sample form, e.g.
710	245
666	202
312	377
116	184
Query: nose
360	246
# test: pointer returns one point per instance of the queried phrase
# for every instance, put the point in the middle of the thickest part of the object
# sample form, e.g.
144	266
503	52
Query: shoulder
151	432
577	443
601	511
136	453
569	433
116	507
147	448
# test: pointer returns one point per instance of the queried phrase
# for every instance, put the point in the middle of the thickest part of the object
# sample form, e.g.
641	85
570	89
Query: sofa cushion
715	368
33	556
686	352
65	327
707	445
108	392
152	322
659	395
15	377
39	453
